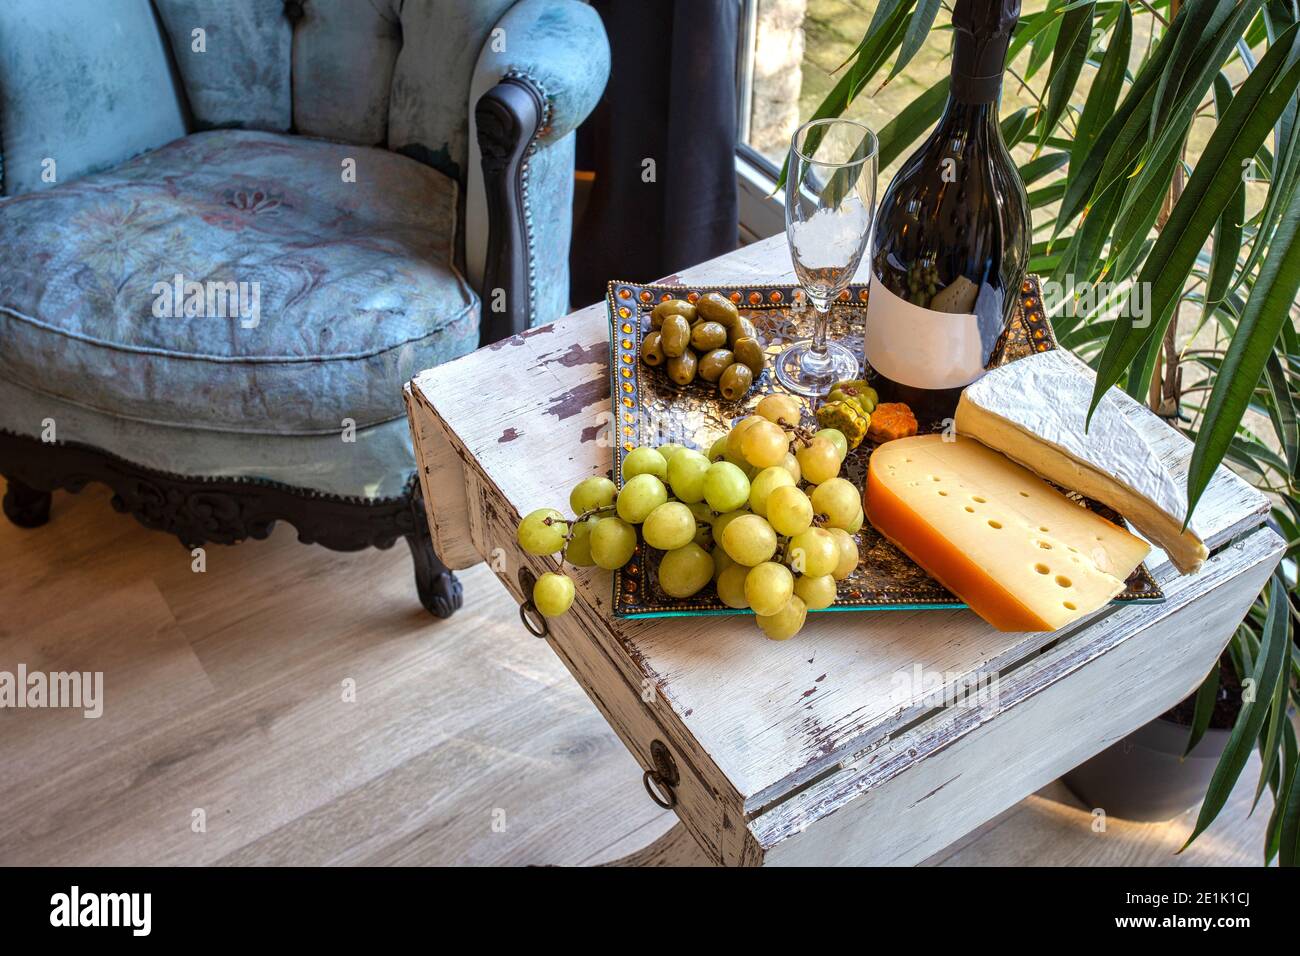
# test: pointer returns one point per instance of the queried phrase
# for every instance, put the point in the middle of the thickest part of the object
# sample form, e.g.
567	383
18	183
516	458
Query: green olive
652	352
675	335
681	369
750	354
707	336
671	307
742	329
717	308
714	364
735	381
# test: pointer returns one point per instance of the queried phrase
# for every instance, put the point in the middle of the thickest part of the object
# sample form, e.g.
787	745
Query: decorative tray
648	408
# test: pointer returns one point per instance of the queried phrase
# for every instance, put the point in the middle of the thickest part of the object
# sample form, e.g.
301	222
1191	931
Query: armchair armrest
540	73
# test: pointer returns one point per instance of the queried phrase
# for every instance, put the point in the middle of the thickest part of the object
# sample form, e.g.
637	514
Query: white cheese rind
1034	410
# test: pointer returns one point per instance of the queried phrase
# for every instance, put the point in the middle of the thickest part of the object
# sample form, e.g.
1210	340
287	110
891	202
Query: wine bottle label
921	347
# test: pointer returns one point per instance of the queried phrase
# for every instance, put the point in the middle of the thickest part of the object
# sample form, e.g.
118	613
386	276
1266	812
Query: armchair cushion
82	87
391	71
312	298
238	75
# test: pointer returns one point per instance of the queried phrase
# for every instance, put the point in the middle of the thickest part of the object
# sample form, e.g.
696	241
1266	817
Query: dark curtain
671	98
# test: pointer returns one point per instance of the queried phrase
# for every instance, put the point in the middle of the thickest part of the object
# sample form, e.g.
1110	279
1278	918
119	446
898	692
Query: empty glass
830	202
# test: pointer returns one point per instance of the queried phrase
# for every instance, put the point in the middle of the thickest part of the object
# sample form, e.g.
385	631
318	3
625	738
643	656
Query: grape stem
803	434
573	527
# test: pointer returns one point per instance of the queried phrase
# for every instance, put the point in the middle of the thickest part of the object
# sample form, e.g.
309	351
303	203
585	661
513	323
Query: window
790	56
789	59
791	52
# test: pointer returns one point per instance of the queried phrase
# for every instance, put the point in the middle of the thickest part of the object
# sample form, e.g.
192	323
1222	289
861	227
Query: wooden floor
229	735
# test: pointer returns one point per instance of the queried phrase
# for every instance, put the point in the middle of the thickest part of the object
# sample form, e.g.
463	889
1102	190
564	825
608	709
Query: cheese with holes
1021	554
1034	410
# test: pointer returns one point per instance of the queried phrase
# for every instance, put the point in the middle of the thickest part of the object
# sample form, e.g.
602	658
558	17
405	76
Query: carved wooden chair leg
440	592
26	507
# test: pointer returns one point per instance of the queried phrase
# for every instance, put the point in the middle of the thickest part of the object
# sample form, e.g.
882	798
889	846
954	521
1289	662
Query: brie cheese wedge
1033	411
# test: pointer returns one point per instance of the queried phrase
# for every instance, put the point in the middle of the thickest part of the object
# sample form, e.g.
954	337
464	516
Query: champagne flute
830	202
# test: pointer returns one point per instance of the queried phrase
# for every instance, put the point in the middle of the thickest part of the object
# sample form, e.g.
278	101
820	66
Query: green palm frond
1162	145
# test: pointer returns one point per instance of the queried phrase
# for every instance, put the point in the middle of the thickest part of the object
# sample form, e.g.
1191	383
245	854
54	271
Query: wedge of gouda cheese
1021	554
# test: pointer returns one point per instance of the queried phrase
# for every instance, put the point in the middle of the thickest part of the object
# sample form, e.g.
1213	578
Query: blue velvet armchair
230	232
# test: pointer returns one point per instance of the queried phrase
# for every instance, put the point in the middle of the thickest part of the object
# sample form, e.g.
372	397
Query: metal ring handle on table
655	786
663	776
534	621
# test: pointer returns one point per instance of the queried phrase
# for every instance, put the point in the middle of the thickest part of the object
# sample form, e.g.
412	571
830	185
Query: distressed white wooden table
823	749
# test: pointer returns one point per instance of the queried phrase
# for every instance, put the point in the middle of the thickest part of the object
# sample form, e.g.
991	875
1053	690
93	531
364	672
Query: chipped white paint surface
947	775
755	726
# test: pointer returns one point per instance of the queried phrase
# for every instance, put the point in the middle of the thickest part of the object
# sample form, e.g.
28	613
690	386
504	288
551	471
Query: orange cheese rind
1021	554
926	546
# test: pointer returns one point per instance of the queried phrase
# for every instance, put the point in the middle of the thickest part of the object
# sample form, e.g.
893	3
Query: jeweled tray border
625	302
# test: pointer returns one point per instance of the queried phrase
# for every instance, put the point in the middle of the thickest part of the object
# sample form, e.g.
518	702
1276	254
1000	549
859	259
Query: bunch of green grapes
763	516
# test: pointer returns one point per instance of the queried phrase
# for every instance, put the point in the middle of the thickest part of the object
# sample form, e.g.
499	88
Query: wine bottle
952	234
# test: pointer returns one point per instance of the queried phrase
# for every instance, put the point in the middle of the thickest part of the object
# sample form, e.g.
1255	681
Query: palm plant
1119	194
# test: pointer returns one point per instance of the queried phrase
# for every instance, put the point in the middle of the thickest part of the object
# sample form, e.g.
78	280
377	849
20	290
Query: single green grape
725	487
848	549
644	461
686	475
685	571
836	438
613	542
579	553
791	464
818	460
816	593
814	552
782	409
721	521
766	482
537	537
786	622
749	540
553	594
592	493
731	586
669	450
838	500
703	513
718	450
764	444
703	523
640	496
735	452
789	511
721	561
669	526
769	587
